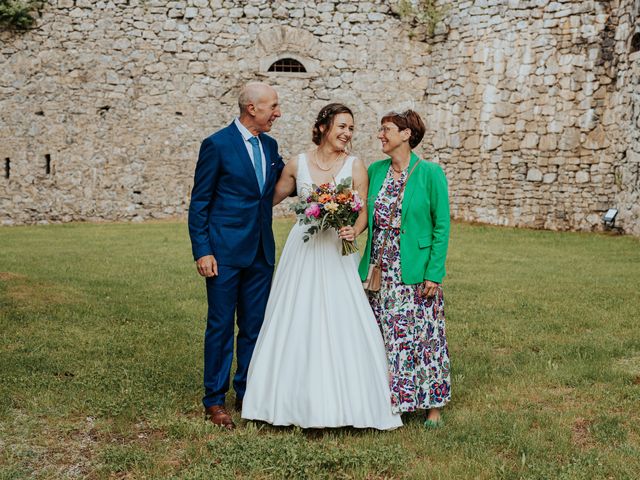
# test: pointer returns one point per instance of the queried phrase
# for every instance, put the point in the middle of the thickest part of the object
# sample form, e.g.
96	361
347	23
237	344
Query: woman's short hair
407	119
325	118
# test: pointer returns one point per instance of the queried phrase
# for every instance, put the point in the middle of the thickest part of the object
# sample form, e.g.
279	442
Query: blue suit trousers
241	293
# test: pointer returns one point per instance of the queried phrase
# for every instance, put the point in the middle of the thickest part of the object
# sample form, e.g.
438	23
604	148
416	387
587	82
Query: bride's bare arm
361	185
287	182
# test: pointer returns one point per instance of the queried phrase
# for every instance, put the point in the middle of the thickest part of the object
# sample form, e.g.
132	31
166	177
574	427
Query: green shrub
18	14
424	14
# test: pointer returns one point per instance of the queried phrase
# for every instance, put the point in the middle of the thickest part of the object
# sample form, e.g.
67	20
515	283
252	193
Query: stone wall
627	176
530	111
531	106
120	94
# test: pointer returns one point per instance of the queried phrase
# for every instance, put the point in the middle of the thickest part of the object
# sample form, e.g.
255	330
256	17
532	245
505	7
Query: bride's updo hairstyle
407	119
325	119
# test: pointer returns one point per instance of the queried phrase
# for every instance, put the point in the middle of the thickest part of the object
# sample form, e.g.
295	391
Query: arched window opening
289	65
7	167
47	164
635	43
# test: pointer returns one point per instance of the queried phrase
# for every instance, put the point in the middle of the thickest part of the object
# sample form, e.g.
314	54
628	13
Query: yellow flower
331	207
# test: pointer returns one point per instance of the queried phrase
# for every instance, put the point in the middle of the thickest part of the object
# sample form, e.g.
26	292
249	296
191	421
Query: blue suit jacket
228	215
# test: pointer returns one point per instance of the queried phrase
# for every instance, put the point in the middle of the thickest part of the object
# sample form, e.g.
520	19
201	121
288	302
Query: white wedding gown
319	360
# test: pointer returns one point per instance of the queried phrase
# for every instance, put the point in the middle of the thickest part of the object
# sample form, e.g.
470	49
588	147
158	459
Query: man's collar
244	131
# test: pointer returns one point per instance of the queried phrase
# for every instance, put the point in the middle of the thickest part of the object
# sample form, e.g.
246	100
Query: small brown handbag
374	274
374	278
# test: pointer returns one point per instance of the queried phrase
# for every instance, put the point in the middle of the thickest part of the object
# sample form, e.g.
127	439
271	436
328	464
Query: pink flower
312	210
356	204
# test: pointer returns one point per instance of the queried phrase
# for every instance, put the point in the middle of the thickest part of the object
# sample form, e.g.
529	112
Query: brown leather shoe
238	405
218	415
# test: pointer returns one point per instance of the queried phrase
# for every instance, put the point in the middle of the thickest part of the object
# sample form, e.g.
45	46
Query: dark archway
634	45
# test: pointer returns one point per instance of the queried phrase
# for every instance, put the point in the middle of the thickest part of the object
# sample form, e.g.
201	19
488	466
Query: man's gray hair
251	93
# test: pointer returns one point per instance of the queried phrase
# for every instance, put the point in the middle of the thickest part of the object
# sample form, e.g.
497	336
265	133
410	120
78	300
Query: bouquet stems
348	247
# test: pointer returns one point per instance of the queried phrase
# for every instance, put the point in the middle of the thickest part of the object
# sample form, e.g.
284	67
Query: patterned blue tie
257	161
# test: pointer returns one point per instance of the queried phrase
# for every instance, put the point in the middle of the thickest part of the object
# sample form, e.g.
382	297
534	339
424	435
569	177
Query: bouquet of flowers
330	206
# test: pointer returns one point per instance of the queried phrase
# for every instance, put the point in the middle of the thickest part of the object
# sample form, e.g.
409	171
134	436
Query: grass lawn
101	331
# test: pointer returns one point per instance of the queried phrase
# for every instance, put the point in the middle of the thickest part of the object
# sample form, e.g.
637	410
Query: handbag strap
392	216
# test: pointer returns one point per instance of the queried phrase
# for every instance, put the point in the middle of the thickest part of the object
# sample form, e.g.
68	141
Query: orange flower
324	198
342	198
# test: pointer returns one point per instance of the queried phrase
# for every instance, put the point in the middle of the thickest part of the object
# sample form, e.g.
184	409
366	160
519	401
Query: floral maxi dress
412	326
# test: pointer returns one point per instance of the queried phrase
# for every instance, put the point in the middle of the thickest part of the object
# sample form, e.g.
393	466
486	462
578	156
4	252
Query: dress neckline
335	177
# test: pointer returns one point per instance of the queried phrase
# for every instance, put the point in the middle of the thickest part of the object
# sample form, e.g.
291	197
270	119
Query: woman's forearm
361	222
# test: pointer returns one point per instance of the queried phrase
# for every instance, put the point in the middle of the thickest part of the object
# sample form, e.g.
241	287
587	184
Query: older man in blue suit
230	219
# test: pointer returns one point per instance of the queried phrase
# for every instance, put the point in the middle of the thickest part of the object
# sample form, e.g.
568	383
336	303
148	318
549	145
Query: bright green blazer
424	231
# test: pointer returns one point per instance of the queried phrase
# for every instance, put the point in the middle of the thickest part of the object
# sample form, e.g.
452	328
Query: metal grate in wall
289	65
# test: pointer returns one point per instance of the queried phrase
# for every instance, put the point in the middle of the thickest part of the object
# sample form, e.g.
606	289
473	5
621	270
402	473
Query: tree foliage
18	14
421	13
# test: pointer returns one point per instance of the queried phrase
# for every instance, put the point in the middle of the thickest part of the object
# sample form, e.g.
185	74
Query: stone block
534	175
582	177
472	142
596	139
281	12
490	94
510	145
197	67
633	156
554	127
547	143
251	11
570	139
170	47
530	140
504	109
567	95
121	44
496	126
491	142
334	82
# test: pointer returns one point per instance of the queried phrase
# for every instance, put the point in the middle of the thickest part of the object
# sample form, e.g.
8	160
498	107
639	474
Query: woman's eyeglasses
393	113
386	130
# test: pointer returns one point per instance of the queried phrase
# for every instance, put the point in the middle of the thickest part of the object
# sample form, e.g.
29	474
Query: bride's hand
347	233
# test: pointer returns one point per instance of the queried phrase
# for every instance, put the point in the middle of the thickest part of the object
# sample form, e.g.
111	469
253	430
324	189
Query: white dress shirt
246	135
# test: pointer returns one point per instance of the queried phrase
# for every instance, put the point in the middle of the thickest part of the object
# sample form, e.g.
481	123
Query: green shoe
433	425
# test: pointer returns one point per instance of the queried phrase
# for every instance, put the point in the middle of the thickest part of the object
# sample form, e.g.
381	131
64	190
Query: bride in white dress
319	360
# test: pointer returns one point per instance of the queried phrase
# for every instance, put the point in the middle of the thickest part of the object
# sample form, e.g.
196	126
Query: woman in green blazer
408	211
